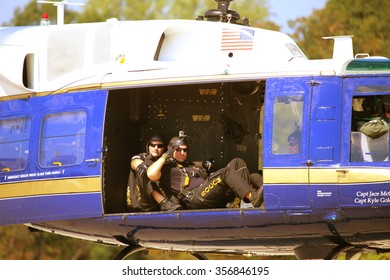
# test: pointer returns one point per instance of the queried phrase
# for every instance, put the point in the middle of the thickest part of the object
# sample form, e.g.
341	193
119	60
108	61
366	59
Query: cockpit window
287	124
370	126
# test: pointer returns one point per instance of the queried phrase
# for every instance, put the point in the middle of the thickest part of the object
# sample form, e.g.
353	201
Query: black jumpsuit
195	192
139	189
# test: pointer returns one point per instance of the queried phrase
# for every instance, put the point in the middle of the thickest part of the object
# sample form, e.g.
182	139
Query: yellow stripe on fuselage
325	175
285	176
48	187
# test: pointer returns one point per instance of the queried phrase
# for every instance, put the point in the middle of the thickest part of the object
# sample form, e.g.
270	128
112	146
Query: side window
63	139
287	124
14	141
370	126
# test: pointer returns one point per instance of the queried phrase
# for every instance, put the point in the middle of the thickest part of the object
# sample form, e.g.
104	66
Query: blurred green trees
367	21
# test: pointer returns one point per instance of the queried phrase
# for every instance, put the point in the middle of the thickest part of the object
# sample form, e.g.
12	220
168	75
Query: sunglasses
156	145
180	149
292	143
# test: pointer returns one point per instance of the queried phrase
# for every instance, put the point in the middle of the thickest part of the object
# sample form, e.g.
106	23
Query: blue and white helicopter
78	100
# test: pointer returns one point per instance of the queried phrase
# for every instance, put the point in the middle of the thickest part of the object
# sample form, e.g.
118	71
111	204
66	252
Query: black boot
169	205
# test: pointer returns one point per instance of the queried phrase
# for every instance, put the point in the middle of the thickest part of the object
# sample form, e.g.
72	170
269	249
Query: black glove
141	170
203	173
209	165
168	154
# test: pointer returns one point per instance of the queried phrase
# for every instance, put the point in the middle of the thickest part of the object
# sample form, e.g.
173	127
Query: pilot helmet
294	138
177	141
156	137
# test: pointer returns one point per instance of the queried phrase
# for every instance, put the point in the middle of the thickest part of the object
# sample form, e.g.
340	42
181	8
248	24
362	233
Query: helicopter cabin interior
221	121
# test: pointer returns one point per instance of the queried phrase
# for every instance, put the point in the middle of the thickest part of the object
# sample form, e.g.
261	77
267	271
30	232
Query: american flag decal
234	39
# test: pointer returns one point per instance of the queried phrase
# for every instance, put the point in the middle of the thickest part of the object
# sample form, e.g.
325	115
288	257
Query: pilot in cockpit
294	141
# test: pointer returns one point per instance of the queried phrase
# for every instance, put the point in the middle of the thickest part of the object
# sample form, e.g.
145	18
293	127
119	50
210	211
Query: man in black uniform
199	191
142	194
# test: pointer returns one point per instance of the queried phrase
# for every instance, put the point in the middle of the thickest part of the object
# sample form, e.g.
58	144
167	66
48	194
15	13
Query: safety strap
185	178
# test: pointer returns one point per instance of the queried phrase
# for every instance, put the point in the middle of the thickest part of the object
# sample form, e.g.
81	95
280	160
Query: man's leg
211	194
256	180
237	177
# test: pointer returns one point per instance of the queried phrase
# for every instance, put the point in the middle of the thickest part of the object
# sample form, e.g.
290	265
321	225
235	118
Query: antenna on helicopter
61	8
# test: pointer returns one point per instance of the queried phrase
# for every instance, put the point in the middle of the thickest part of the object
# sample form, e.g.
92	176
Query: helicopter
78	100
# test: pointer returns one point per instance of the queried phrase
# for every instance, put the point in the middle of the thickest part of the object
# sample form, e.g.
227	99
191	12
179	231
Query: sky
281	10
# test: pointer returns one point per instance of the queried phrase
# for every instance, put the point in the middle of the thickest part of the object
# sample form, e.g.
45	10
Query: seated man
197	191
142	194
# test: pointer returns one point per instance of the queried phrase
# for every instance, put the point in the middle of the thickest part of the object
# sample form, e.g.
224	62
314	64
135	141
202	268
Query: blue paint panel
91	103
286	197
324	154
92	106
54	207
327	113
365	195
324	196
324	139
15	107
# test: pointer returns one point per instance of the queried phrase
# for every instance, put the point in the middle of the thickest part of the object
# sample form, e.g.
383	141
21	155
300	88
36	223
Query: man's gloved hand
141	170
203	173
209	165
168	154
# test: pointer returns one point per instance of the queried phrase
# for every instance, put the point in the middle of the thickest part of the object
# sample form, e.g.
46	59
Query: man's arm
139	166
154	171
135	162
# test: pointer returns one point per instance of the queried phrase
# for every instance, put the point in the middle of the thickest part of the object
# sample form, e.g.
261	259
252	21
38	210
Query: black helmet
156	137
295	137
177	141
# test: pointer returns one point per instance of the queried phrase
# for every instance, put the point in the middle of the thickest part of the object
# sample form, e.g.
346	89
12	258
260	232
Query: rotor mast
223	14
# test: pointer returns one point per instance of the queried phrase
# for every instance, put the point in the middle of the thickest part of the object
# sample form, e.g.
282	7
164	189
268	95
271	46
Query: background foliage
368	21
